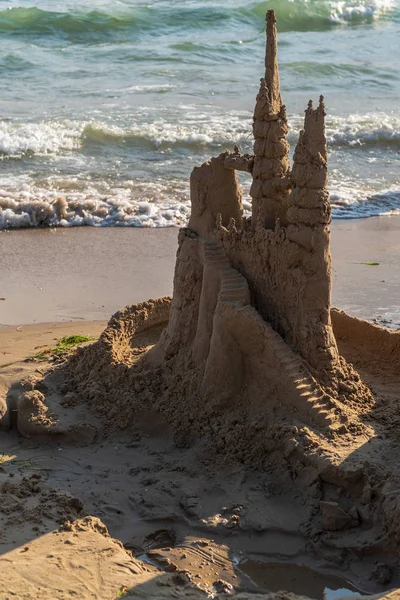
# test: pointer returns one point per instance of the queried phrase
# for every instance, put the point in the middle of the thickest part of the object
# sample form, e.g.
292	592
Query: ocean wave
152	204
12	63
20	139
371	129
158	17
139	19
321	14
60	201
216	131
202	132
193	130
348	202
37	20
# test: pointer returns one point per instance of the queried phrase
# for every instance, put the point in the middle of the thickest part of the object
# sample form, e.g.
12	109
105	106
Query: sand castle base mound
121	374
268	425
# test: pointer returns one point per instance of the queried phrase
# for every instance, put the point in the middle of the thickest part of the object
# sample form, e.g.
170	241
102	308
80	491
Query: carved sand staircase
308	397
234	288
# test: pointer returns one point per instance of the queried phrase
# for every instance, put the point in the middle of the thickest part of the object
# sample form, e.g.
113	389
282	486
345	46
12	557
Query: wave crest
306	15
197	131
291	14
17	140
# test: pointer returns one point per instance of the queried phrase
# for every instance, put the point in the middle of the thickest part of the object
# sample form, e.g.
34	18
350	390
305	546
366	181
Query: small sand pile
32	501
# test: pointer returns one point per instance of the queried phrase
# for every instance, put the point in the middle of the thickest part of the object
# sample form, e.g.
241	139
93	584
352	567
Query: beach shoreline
87	274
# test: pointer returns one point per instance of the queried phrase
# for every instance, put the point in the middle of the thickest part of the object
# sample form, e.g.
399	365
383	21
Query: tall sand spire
271	165
271	63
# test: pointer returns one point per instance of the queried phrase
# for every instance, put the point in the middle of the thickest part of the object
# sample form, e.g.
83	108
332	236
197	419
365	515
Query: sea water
107	106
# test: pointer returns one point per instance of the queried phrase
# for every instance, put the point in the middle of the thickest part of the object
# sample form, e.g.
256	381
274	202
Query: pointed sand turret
271	64
309	200
271	165
308	216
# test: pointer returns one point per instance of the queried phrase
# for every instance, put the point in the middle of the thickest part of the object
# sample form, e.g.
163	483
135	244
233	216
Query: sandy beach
87	274
212	413
57	275
94	273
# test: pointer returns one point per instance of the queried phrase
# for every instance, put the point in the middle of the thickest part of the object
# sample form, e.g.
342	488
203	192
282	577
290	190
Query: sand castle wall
290	288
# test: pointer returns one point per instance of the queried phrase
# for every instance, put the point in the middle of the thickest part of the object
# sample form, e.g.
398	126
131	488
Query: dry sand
94	272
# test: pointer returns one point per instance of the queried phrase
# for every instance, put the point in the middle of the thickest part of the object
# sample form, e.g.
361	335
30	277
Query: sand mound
369	347
106	375
88	563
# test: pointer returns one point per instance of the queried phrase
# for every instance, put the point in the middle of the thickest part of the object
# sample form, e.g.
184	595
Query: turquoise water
107	106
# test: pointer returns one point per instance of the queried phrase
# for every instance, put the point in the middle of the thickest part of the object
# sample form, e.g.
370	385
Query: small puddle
275	577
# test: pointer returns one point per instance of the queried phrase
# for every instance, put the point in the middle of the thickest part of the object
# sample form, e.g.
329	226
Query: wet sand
154	496
86	274
82	273
367	291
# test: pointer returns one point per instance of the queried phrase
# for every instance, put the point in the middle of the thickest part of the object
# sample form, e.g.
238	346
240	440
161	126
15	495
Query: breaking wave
19	139
156	16
150	203
369	129
320	14
196	131
82	192
348	202
64	204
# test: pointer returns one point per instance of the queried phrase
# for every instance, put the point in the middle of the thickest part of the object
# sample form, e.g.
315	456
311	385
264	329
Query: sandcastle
280	256
252	295
243	362
248	331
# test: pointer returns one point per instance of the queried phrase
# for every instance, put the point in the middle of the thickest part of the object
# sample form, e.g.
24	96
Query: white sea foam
352	201
156	204
236	128
39	138
345	10
59	200
190	128
123	211
356	129
359	129
138	204
196	129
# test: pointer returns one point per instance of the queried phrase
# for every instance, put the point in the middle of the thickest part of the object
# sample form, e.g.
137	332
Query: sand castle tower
271	163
